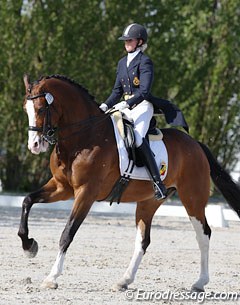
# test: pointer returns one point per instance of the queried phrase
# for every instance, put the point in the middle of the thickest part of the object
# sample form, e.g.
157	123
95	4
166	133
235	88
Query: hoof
47	284
196	289
119	287
33	250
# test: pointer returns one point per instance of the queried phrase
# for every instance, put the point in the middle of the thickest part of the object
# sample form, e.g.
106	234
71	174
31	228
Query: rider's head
135	36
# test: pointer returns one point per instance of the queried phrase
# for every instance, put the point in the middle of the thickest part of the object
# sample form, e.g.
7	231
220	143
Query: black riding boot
150	163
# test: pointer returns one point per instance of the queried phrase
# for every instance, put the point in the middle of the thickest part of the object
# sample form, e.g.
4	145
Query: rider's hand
121	106
103	107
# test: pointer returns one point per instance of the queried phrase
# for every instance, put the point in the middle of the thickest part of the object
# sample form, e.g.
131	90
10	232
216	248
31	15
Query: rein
48	131
85	123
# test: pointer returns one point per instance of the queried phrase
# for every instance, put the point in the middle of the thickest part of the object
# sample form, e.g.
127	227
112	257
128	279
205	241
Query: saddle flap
129	139
126	131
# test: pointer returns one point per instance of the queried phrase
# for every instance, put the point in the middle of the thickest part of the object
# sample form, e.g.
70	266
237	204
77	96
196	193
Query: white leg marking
50	281
203	243
131	271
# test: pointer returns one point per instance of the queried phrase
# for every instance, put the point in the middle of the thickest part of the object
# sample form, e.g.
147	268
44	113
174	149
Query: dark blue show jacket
136	81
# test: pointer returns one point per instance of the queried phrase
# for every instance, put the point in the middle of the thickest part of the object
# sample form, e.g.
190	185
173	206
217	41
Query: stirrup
159	193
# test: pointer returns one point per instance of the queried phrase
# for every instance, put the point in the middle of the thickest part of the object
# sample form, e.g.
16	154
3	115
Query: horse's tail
223	181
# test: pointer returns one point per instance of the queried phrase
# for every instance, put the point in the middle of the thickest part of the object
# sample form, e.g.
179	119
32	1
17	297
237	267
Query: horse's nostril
36	144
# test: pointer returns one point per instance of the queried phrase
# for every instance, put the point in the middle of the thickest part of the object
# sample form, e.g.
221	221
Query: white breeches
141	116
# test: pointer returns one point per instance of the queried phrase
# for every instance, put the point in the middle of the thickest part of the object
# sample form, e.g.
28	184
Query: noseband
48	131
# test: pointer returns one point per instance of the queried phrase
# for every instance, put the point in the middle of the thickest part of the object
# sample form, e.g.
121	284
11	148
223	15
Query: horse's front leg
50	192
82	204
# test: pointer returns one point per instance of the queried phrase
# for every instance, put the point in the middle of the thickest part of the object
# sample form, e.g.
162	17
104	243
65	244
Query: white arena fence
218	214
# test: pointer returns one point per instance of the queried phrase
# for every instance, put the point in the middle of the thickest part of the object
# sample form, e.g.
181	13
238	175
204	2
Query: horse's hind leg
195	201
144	214
203	234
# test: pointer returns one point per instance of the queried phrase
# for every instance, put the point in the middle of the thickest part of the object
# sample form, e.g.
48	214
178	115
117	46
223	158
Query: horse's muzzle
37	145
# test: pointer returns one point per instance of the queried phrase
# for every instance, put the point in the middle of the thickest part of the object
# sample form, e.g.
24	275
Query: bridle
47	130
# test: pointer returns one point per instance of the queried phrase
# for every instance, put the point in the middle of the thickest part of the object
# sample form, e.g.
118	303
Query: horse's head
38	104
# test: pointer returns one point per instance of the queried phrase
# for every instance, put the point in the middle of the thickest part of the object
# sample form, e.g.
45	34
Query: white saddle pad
140	173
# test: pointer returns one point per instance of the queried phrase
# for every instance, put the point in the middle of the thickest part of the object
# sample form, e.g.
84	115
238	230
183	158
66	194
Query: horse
84	166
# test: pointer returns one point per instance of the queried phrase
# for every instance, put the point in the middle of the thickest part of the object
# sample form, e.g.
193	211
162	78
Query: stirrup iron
159	193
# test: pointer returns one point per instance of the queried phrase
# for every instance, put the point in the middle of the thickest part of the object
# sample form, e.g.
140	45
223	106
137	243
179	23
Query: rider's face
131	44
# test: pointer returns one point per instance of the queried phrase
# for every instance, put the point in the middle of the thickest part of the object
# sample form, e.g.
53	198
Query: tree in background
194	45
198	66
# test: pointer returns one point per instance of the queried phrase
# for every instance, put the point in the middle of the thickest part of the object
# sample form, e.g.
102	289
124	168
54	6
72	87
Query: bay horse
84	166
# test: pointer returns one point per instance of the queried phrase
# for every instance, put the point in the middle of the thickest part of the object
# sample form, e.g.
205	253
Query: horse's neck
75	110
82	122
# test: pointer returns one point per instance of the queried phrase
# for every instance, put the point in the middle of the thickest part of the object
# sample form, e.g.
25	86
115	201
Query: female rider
133	83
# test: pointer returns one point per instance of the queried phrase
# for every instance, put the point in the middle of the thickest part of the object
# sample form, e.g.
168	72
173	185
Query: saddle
127	132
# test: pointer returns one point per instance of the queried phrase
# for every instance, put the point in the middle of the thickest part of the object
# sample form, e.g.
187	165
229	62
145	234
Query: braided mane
72	82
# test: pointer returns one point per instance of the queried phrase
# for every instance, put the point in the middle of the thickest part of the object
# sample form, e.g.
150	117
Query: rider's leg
141	116
149	161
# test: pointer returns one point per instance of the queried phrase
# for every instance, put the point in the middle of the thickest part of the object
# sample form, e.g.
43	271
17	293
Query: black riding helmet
134	31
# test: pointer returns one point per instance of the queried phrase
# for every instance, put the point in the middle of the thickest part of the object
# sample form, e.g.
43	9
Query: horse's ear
26	80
